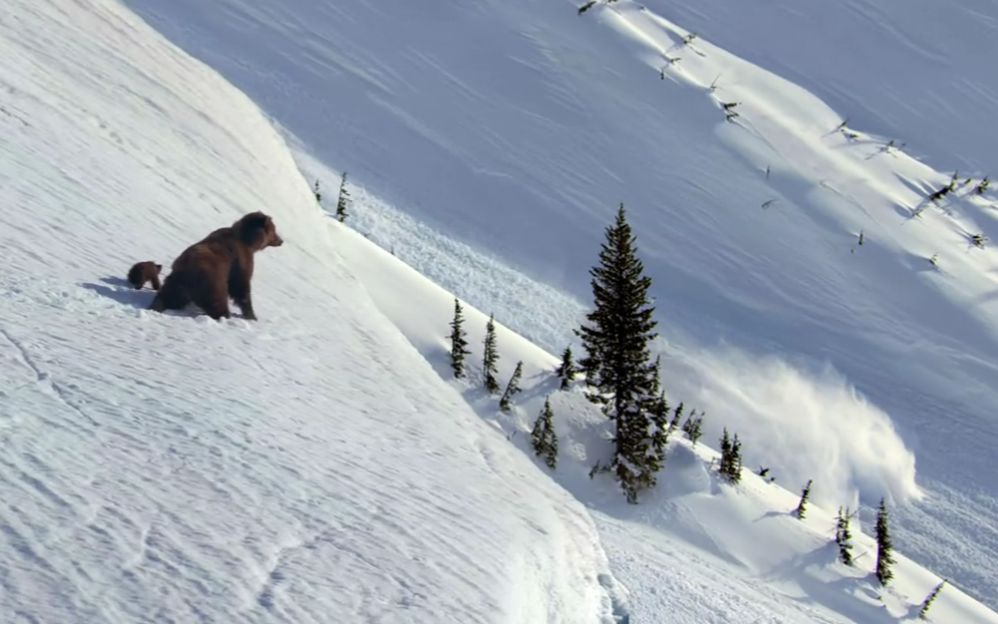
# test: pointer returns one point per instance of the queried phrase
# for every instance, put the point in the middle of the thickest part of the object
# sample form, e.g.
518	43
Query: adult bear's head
257	231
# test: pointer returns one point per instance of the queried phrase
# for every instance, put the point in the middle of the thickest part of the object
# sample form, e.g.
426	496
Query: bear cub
142	272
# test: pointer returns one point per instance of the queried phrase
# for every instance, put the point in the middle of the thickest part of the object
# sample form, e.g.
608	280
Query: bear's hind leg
214	302
170	297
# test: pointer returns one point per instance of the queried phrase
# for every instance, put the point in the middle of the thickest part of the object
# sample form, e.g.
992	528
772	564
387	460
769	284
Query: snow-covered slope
517	126
695	550
310	467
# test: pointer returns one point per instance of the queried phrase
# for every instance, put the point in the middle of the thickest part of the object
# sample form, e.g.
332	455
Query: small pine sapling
567	370
735	464
725	452
316	192
978	240
843	536
658	423
885	548
801	510
490	357
982	187
693	427
544	440
512	387
677	418
934	260
458	343
923	613
887	148
660	430
731	458
343	201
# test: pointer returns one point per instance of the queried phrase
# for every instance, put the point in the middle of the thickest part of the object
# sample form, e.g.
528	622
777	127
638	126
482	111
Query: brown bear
142	272
218	267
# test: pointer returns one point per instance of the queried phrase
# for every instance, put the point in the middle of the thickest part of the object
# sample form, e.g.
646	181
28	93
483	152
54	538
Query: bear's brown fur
142	272
218	267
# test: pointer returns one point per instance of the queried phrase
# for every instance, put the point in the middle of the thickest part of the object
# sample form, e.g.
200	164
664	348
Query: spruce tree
801	510
616	338
490	358
543	438
735	463
693	427
343	202
566	371
731	458
458	344
677	417
843	536
658	410
923	613
725	453
885	558
316	192
511	388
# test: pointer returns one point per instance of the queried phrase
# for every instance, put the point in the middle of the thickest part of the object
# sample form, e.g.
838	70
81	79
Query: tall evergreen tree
511	388
458	344
566	371
843	536
801	510
885	549
490	357
343	201
543	438
616	338
923	613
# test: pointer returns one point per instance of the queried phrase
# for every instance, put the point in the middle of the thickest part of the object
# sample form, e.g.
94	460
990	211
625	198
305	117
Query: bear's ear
159	267
252	227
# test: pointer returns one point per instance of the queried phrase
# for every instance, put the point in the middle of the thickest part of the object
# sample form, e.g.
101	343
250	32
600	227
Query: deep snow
169	468
515	128
317	464
695	550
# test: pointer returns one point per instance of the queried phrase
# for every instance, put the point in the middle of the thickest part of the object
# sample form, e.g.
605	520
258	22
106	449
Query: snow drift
169	467
516	127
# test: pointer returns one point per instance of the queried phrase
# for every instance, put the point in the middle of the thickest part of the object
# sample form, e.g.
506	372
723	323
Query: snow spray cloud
801	424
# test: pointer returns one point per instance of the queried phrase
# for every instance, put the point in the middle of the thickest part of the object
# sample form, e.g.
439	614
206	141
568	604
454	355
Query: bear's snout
277	241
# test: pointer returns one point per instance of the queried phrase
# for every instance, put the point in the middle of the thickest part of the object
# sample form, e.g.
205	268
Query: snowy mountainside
171	468
694	550
515	128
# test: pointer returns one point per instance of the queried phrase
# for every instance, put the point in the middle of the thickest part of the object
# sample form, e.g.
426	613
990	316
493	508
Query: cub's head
257	231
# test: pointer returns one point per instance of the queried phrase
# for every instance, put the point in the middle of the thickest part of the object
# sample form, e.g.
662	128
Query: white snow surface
696	549
320	465
311	467
514	128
